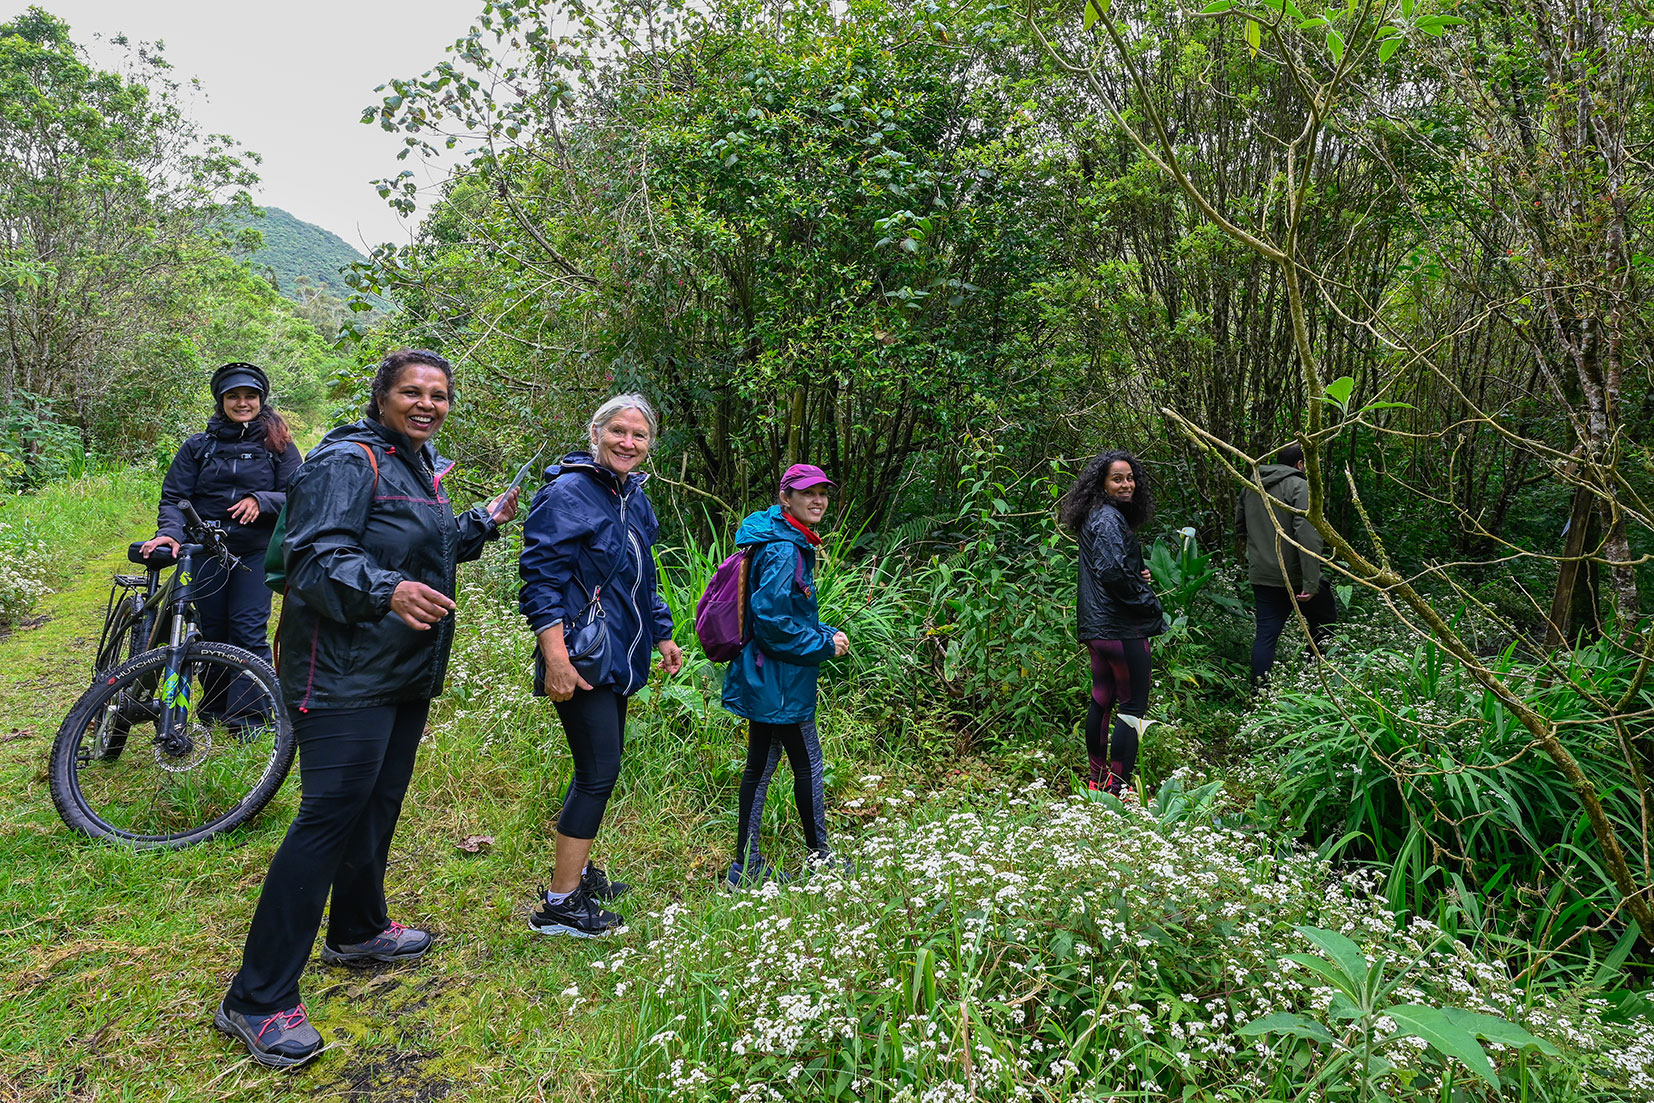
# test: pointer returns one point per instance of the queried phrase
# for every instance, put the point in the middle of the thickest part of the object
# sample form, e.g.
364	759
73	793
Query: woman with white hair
590	596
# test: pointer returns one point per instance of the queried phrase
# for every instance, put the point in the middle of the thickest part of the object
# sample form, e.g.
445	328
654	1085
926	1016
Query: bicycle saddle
160	557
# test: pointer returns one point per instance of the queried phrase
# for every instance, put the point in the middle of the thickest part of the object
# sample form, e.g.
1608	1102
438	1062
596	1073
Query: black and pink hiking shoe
283	1040
394	943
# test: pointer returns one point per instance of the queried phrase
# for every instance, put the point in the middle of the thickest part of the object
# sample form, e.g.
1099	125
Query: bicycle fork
172	699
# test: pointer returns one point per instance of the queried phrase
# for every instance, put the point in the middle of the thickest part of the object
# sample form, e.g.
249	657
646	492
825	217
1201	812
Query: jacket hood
1275	474
586	464
767	525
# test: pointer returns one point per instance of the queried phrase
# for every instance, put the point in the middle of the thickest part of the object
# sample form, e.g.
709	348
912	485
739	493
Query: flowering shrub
22	572
1058	948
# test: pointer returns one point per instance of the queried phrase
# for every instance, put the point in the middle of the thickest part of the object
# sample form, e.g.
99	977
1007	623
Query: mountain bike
178	738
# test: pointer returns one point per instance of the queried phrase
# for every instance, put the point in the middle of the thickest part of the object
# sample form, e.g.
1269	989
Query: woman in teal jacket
773	681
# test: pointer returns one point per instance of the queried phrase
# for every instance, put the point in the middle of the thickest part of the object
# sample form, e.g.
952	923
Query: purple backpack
721	614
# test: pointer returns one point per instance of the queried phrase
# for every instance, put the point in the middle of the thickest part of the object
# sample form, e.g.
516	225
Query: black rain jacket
1114	603
216	469
350	540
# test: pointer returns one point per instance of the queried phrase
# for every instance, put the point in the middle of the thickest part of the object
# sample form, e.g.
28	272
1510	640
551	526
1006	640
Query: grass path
111	960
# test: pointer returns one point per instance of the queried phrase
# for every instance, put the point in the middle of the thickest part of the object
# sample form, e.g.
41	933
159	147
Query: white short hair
610	409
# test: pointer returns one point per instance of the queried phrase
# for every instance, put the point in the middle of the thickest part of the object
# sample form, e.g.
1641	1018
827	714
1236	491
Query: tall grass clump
1390	754
1041	947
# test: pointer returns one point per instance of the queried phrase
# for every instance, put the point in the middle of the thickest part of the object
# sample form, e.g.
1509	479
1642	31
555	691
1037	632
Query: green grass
111	960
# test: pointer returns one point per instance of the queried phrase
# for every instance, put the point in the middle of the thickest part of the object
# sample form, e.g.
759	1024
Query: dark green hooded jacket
1291	569
351	538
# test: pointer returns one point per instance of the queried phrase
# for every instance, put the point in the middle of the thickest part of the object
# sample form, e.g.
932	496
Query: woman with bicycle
236	475
370	552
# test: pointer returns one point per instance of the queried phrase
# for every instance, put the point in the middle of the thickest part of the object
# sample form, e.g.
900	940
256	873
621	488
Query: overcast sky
289	81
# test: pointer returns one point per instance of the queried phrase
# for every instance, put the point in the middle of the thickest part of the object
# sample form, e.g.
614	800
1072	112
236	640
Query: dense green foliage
291	249
118	294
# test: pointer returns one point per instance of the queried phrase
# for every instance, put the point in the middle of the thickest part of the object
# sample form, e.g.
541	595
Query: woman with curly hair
1117	611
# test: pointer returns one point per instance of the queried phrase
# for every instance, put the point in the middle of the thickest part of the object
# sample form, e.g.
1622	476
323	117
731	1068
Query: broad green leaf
1495	1029
1327	971
1335	43
1337	947
1387	405
1285	1022
1317	21
1254	35
1407	9
1387	49
1431	1024
1095	10
1217	7
1338	391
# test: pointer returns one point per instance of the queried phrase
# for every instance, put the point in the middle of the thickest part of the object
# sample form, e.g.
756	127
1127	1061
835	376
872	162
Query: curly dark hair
1090	490
390	370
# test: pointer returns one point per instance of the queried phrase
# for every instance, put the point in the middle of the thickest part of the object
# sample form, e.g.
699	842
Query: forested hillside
297	254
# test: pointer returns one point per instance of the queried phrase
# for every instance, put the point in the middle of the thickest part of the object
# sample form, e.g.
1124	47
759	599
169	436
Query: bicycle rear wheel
116	774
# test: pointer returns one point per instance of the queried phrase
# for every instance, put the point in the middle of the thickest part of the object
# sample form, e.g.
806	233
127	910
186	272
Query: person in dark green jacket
367	623
772	683
1283	555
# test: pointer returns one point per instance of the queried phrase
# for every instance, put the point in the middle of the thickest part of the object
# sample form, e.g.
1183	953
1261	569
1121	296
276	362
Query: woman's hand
561	677
504	508
418	605
246	510
671	657
841	645
1148	576
150	545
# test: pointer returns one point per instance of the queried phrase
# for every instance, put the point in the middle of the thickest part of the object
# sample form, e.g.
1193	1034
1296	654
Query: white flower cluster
1049	948
22	573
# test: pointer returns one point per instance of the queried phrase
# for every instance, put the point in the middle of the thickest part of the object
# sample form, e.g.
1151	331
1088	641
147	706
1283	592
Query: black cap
238	374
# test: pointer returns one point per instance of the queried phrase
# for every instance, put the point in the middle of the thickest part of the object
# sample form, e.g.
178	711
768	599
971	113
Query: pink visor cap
801	476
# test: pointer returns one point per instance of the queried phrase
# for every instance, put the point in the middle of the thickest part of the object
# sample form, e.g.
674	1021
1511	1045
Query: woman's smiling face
623	443
416	403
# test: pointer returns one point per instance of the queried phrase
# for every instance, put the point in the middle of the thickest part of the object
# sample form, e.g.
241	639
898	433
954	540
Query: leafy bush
1390	753
36	447
996	952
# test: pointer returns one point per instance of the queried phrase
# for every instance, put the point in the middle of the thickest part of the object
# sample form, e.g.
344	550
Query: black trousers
765	745
355	765
233	607
1275	613
595	722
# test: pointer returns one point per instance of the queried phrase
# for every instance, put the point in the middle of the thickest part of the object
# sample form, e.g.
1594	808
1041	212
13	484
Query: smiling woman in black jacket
236	473
1117	610
370	552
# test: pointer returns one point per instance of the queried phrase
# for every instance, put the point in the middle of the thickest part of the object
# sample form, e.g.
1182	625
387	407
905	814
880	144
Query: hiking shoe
394	943
284	1040
578	915
737	878
599	887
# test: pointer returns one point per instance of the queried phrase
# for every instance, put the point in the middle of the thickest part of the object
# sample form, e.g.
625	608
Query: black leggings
354	768
1119	679
765	742
595	722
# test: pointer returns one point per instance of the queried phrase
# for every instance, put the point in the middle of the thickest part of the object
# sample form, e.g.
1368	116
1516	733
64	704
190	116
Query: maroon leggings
1119	679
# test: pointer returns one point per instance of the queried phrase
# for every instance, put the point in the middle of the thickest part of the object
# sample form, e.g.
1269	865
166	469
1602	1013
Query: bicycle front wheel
120	771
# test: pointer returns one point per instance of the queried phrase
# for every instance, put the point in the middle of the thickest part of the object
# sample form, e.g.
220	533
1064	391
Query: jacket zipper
631	542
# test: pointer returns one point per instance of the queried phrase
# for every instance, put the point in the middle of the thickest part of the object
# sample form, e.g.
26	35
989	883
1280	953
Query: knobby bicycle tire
112	776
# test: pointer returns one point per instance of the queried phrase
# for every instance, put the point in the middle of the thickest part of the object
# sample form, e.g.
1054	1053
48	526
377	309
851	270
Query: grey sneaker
284	1040
394	943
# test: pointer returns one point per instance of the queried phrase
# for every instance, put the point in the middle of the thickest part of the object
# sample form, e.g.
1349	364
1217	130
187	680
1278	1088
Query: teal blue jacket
773	680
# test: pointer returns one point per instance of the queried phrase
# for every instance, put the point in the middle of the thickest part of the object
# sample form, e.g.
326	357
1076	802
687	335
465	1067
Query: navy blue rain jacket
773	680
216	469
587	529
